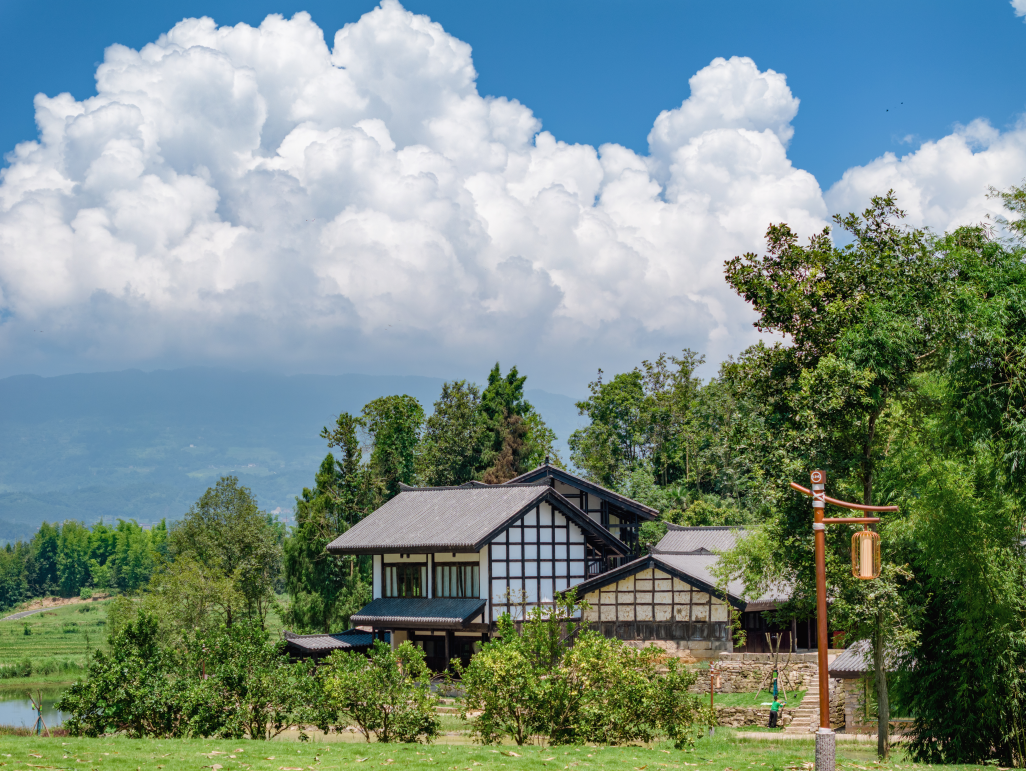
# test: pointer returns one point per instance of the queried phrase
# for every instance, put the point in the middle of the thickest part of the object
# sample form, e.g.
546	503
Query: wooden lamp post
865	564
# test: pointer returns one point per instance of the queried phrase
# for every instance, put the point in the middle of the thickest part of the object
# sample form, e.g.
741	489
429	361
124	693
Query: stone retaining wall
744	672
739	717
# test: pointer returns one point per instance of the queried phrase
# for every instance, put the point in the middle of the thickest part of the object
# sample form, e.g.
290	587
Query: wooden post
825	739
712	708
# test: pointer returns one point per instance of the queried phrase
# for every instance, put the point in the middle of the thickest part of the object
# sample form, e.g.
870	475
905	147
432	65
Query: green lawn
725	751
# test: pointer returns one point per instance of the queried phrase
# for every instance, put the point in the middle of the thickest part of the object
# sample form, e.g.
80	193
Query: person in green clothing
775	712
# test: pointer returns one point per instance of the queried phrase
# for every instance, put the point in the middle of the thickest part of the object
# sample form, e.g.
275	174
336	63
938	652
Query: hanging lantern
865	555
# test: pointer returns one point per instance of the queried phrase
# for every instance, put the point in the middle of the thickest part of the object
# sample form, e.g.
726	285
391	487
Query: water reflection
16	708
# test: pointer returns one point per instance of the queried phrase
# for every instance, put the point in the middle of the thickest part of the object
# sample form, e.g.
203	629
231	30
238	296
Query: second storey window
405	580
457	580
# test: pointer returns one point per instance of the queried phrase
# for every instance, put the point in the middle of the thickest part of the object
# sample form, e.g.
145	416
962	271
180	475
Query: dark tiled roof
693	563
457	519
436	612
437	519
317	643
546	470
698	540
856	661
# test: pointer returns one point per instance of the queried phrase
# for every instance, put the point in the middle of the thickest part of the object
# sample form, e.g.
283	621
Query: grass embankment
725	751
57	645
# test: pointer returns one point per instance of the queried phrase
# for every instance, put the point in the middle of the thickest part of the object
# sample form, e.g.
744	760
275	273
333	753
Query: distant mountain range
145	445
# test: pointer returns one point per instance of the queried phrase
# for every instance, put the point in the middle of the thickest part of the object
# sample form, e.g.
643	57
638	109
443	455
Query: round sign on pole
818	477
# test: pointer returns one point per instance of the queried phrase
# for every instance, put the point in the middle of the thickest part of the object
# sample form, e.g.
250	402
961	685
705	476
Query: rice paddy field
51	647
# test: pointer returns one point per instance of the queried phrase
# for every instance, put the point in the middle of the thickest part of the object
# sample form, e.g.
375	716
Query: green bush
386	693
28	629
69	627
87	609
532	681
85	593
142	688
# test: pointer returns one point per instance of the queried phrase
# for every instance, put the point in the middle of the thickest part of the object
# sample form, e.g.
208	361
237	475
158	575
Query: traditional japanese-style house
670	597
448	561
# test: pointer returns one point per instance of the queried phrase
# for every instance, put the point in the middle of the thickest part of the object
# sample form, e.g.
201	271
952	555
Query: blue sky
299	197
872	76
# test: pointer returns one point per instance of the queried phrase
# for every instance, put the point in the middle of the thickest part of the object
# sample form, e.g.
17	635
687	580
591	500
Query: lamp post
825	738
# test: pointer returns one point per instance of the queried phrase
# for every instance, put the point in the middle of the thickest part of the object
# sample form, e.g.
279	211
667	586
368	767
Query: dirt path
52	603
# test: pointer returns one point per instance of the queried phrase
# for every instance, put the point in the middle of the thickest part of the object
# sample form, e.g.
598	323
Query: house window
457	580
405	580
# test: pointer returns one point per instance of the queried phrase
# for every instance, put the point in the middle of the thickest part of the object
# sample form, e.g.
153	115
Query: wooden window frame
392	579
473	592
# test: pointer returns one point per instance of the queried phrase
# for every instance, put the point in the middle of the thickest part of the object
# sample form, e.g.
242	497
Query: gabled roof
457	519
694	571
436	613
690	553
547	471
698	540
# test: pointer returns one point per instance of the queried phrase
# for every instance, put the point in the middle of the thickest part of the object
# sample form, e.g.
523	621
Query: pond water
16	709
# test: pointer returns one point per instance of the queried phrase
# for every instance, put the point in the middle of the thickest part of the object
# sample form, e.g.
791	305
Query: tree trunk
883	707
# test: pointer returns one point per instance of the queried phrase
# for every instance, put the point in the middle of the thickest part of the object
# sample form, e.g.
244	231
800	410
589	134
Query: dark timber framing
616	513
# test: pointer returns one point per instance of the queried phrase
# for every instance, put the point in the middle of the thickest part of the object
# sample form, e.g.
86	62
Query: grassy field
725	751
55	639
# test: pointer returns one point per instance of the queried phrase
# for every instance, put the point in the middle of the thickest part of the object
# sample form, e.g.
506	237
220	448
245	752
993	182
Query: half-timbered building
671	598
449	561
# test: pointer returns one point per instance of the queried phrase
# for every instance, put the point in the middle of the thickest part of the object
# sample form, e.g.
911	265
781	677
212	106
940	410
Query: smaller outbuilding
670	598
853	671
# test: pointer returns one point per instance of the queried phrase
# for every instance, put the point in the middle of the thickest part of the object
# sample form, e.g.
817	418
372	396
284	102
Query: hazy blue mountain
146	445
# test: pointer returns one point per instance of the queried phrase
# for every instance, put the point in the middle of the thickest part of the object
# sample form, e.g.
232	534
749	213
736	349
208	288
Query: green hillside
146	445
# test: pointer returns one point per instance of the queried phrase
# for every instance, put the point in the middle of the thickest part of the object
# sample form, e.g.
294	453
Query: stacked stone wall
746	672
741	717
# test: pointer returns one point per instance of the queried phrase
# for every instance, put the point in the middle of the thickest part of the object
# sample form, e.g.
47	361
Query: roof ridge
703	528
412	489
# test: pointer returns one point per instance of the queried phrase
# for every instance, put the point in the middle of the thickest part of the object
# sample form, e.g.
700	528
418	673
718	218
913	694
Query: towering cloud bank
249	196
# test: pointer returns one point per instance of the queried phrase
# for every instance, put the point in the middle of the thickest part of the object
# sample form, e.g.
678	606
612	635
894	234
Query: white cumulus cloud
944	183
1019	6
252	196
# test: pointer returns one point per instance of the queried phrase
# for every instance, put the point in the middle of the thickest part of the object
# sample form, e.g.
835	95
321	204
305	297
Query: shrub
28	630
533	681
87	609
69	627
85	593
386	693
143	688
135	688
251	689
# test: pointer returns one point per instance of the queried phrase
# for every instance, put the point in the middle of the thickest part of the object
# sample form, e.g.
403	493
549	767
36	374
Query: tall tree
862	320
451	446
73	558
514	436
394	424
227	534
324	589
